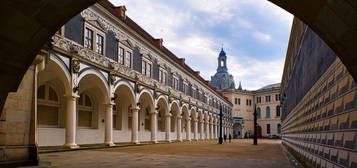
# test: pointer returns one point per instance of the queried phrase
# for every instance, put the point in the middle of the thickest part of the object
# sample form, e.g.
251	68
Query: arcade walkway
239	153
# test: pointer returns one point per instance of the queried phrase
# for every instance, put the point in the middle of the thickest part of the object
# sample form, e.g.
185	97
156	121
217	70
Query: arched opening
184	121
175	111
193	117
52	85
122	113
146	109
161	117
267	112
258	113
93	92
237	130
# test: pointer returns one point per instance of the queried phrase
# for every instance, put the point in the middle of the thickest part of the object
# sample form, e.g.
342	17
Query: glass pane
88	102
41	92
47	116
52	94
84	118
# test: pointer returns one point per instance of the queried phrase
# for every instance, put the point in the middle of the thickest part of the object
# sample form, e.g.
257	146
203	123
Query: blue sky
254	33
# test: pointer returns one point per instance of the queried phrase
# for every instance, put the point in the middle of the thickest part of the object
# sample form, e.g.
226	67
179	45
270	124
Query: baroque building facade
319	103
103	79
266	100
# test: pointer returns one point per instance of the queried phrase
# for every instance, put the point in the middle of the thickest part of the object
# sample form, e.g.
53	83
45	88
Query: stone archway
237	130
28	25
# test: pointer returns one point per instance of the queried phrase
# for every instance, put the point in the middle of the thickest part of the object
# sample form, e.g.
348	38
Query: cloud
262	37
195	30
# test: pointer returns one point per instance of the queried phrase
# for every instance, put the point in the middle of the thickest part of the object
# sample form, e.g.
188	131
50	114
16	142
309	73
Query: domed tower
222	79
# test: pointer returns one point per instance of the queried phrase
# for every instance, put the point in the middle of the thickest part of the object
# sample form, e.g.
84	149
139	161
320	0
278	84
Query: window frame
95	31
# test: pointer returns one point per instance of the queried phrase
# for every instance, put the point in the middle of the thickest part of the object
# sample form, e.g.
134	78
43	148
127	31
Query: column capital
179	117
71	96
154	112
195	120
168	115
109	104
136	108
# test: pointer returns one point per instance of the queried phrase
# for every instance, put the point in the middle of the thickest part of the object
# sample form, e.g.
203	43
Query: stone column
201	130
216	130
179	137
188	129
71	121
154	126
211	130
135	126
168	127
207	129
195	129
109	124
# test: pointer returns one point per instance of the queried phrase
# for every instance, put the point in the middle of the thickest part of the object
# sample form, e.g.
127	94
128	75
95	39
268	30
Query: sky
253	33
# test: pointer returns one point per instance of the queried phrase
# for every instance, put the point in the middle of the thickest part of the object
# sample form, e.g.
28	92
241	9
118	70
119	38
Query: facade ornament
76	65
113	78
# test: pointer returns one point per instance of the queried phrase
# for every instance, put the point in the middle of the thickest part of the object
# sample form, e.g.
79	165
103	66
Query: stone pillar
201	130
71	121
211	130
154	126
135	126
216	130
188	129
179	137
109	124
168	127
195	129
207	130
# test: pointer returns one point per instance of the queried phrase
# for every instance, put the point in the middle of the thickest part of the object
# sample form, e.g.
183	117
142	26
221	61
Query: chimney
181	60
197	73
120	10
159	42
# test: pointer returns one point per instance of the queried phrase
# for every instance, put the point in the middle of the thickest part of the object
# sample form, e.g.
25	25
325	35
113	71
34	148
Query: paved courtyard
239	153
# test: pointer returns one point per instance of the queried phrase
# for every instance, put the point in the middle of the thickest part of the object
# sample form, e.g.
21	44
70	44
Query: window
121	56
238	100
267	98
259	99
268	128
249	102
85	111
47	107
88	40
277	97
128	59
235	100
175	83
100	44
258	113
267	112
278	111
146	68
162	76
279	128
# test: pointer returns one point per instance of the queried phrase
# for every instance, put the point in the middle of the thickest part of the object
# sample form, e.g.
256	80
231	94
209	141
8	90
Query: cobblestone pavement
239	154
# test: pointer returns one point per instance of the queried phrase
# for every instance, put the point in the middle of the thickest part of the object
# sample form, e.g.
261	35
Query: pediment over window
96	23
127	43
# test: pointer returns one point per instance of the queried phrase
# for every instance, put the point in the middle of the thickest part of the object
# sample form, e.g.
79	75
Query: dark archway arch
27	26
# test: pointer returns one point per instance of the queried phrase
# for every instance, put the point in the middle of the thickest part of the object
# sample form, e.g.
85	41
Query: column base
135	142
154	142
169	141
71	146
109	144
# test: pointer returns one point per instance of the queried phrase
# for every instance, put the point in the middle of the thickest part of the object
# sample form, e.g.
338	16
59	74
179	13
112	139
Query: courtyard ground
239	154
